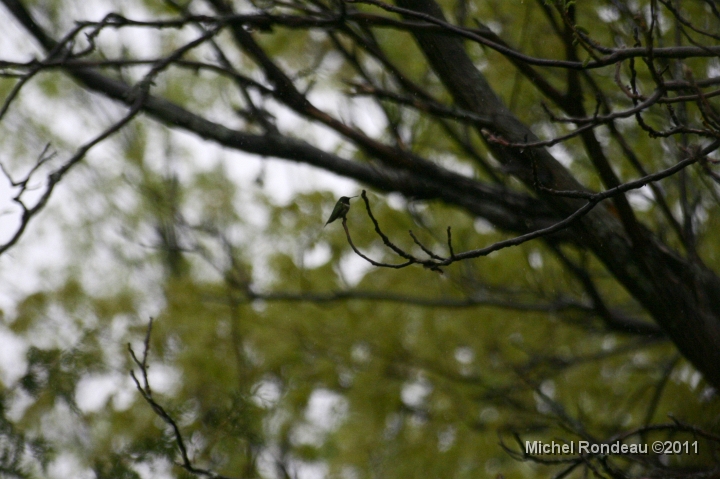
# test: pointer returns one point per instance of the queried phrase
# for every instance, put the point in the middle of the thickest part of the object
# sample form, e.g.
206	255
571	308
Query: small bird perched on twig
341	209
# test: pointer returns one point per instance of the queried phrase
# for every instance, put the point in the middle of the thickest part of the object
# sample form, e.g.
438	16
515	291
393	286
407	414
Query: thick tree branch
681	295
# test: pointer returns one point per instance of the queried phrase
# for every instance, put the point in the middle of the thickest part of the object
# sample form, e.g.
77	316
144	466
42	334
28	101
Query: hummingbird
341	209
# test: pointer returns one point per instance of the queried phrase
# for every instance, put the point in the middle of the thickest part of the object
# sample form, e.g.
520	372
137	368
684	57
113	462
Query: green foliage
417	390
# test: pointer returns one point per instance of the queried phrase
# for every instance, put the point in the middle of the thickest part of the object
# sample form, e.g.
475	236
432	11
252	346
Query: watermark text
536	448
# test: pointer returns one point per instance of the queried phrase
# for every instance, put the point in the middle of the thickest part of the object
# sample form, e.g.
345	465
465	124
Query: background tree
553	163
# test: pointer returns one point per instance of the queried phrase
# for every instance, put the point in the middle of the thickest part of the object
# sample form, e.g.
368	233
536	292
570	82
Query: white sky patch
516	338
489	415
562	155
10	211
641	199
353	268
13	39
306	434
414	394
266	462
397	201
481	64
640	359
67	465
688	375
662	20
713	68
361	352
317	256
701	215
608	343
266	393
495	27
94	391
625	124
163	379
602	133
535	259
155	469
324	137
285	180
326	409
547	388
18	404
446	438
350	472
332	62
547	131
393	423
483	226
307	470
125	396
368	116
12	357
452	163
608	14
56	330
464	355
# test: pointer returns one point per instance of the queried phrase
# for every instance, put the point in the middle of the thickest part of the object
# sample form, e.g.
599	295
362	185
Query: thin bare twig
146	392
